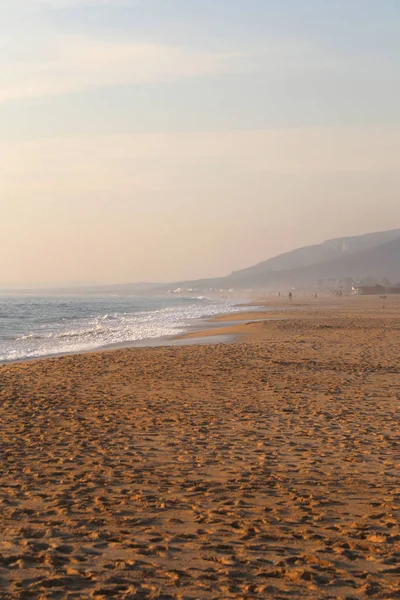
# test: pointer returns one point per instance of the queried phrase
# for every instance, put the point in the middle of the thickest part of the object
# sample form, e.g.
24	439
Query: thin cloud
37	61
75	63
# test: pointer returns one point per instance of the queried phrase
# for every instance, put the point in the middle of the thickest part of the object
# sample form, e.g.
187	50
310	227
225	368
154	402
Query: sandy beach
264	468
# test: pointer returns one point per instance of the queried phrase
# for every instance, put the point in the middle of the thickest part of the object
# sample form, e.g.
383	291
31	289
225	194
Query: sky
160	140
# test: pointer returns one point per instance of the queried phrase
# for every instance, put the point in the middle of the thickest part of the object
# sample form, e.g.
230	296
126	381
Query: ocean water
43	326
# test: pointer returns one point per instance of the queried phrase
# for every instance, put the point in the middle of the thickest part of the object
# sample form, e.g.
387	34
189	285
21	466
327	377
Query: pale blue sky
294	63
261	112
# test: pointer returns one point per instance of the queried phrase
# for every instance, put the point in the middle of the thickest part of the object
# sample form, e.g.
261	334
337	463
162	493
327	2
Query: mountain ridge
328	249
372	255
343	257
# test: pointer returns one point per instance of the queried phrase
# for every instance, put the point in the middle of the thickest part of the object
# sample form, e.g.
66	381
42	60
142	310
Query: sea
32	326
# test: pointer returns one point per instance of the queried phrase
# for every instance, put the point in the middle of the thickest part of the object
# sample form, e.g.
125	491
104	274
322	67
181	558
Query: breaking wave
47	326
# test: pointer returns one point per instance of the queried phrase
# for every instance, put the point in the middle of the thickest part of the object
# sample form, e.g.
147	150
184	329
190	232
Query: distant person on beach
290	296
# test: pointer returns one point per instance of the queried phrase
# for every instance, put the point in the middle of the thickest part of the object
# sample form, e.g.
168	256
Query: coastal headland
263	468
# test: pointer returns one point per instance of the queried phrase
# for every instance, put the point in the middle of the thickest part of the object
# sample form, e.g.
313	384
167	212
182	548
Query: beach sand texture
267	468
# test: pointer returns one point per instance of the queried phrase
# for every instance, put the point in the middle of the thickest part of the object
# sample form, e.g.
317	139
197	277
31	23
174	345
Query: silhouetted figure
290	296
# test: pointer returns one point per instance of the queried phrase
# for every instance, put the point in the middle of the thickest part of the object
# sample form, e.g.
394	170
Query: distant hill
319	253
374	255
381	262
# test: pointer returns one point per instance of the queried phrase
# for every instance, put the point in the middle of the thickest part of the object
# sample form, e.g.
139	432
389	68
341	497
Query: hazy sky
169	139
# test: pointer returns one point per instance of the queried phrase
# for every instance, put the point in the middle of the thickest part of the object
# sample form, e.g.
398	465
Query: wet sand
266	468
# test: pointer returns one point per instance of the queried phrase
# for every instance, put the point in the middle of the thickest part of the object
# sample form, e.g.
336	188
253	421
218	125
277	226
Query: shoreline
215	329
198	325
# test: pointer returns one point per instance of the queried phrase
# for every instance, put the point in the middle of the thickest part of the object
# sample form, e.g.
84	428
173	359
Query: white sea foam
43	327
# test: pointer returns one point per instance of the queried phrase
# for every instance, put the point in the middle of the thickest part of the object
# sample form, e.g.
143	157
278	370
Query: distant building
370	290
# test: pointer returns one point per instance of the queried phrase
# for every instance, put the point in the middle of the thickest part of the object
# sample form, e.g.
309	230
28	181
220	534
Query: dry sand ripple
267	468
